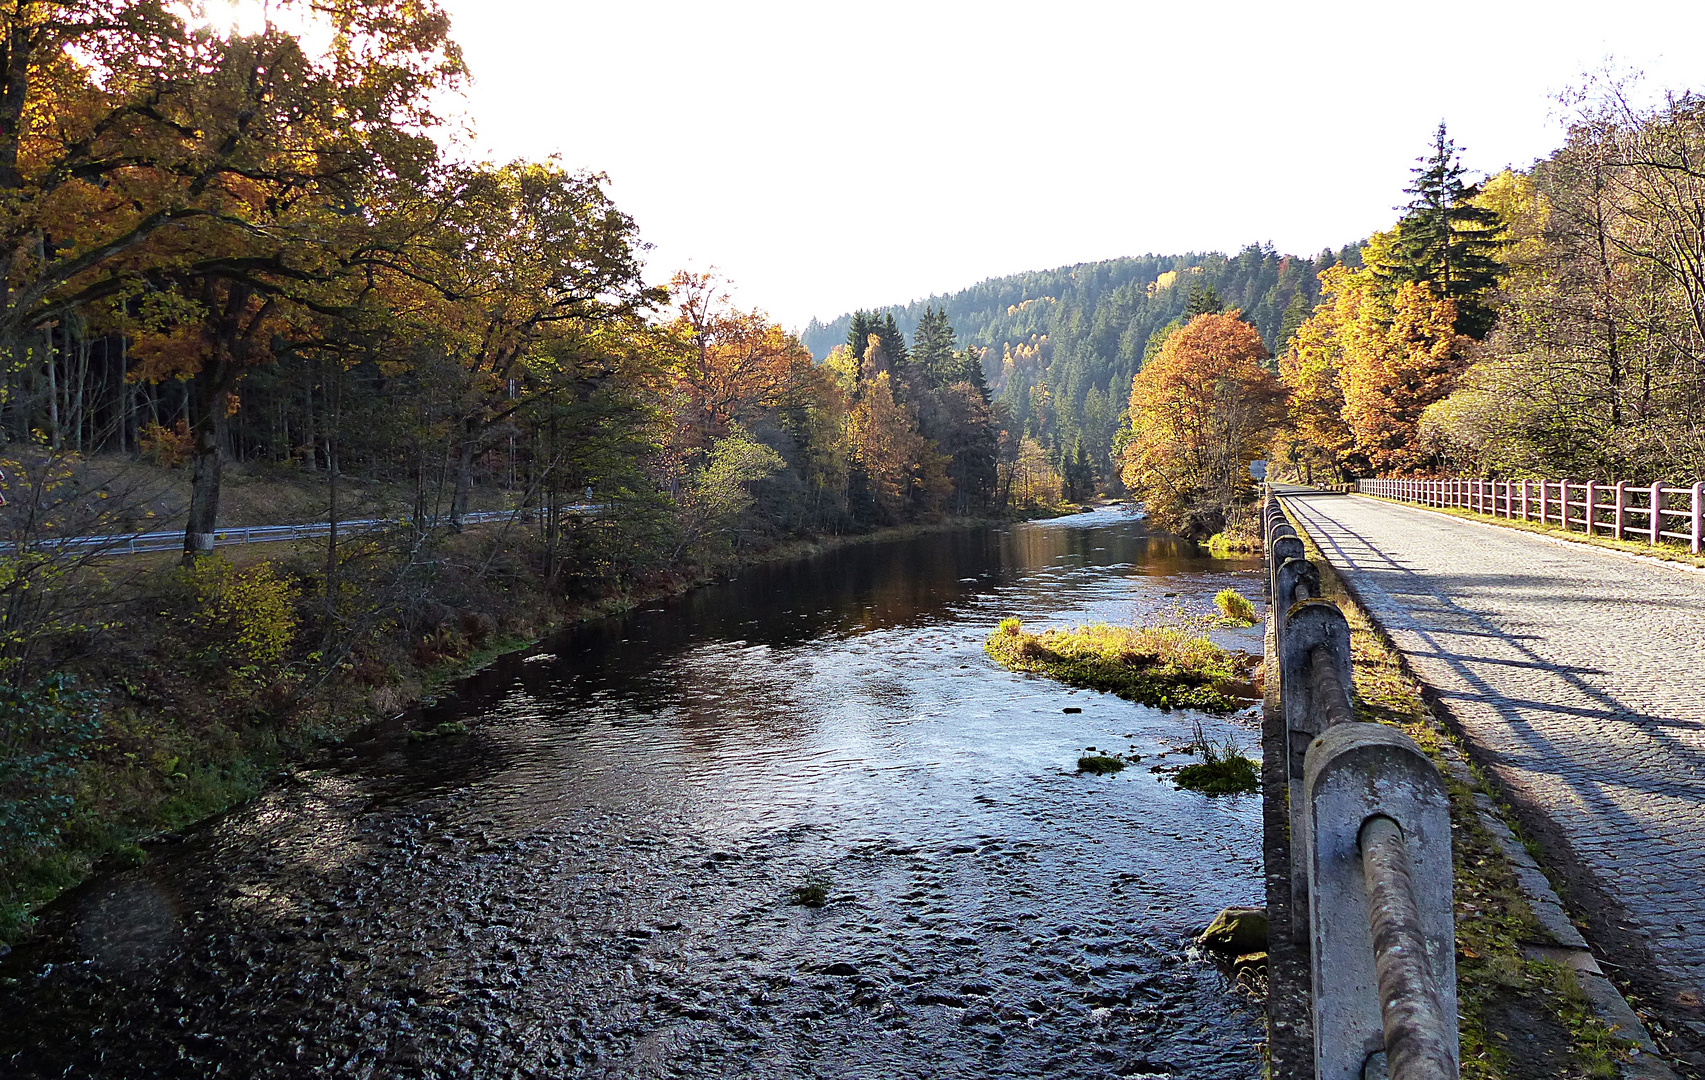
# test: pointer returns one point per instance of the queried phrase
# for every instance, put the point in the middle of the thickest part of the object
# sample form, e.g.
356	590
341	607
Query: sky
825	156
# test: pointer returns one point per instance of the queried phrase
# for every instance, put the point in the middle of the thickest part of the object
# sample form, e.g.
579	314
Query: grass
1666	551
1223	769
1164	667
1225	545
1234	607
1492	914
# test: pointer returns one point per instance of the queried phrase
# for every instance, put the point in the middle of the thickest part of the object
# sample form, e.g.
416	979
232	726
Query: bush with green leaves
46	730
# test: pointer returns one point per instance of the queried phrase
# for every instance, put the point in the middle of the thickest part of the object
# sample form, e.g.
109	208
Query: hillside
1060	346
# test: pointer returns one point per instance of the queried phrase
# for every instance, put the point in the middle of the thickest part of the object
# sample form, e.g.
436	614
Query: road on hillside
1577	672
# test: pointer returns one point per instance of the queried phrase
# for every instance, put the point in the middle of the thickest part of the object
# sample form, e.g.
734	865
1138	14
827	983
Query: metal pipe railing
172	540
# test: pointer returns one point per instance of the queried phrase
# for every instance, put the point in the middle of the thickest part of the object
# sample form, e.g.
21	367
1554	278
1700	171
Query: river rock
1237	931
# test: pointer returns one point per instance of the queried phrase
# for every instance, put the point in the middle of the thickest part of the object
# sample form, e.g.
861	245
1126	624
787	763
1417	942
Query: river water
596	879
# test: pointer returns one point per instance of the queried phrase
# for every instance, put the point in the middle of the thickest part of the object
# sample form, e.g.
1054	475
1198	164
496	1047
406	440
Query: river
596	879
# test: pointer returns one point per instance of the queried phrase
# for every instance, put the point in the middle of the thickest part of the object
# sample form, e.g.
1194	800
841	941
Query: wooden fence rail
1655	513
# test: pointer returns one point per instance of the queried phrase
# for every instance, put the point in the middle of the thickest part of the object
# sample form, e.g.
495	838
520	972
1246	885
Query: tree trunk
208	430
52	390
464	475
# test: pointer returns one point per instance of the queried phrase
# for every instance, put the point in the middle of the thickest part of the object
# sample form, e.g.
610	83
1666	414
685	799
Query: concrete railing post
1524	485
1657	522
1621	509
1294	581
1314	632
1592	506
1379	826
1284	545
1544	507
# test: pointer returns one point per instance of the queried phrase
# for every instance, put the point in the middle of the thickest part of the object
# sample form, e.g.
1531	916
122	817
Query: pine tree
1446	241
1204	300
1296	313
971	370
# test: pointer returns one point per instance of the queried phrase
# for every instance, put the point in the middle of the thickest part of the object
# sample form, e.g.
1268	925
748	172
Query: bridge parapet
1370	848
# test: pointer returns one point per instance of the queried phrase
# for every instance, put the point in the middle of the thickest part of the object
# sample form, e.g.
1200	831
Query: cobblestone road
1579	672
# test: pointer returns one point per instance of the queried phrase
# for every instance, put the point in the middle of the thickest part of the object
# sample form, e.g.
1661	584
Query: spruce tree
1445	240
971	370
932	347
893	342
864	324
1204	300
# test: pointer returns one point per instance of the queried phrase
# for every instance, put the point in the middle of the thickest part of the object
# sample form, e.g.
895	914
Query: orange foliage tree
1201	411
733	364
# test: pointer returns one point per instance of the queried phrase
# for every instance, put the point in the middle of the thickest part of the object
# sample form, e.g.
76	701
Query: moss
1159	666
1099	763
1492	912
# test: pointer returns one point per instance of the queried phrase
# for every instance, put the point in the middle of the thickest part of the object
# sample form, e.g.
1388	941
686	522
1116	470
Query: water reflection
595	880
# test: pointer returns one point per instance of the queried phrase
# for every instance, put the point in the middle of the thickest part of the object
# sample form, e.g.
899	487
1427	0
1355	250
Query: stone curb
1571	948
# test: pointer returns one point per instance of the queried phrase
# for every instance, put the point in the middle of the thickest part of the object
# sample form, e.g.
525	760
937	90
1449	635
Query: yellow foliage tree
1201	411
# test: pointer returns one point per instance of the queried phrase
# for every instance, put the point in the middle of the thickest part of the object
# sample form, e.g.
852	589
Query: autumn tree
1201	411
733	364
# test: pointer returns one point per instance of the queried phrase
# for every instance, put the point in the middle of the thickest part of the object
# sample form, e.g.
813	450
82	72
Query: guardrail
1663	512
173	540
1371	855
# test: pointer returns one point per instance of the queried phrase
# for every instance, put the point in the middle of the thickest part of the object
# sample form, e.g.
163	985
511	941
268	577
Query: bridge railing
1654	513
1371	854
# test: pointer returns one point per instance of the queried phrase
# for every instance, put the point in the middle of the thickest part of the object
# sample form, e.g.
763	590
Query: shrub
254	607
169	447
814	893
1234	607
45	730
1011	626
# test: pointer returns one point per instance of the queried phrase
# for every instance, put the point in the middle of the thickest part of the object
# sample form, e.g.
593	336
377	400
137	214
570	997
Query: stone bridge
1574	674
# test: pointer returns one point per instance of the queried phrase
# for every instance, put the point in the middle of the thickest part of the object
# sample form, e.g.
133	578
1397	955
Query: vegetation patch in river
1162	666
1223	769
1100	763
812	893
1234	608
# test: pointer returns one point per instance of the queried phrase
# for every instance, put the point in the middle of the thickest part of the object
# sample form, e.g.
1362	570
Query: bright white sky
826	156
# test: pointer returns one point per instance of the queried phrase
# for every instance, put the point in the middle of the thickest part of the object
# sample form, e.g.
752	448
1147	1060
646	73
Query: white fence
1653	513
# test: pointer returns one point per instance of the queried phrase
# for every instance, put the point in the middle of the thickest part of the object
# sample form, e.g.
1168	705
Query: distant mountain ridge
1062	345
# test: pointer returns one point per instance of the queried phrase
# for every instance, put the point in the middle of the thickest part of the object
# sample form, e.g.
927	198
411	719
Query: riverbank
198	714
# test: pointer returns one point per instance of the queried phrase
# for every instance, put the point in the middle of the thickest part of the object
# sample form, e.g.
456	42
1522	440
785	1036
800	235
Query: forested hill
1062	345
